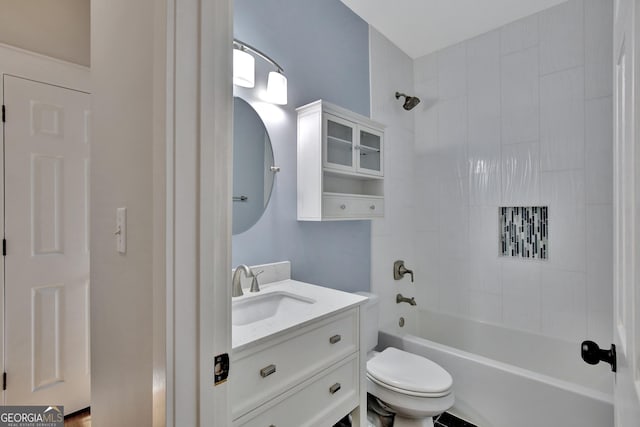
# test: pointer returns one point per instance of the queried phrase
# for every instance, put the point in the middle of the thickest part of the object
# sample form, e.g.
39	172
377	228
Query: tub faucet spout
400	298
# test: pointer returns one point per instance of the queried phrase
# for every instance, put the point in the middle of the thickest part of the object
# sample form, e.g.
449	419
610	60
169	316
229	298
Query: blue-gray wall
324	50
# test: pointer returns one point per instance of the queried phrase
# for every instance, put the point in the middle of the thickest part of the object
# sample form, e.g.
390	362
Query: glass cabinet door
370	152
339	147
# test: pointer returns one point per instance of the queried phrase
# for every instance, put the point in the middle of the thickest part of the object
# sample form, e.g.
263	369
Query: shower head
409	101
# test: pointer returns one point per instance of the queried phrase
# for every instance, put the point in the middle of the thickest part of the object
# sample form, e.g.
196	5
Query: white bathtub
507	378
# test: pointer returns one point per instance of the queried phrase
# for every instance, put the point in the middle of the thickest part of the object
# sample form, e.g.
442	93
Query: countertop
327	302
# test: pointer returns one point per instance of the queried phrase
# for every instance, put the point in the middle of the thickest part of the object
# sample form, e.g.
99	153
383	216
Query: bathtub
508	378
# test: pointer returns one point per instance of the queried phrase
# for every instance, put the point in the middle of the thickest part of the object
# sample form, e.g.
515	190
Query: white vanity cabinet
340	164
306	377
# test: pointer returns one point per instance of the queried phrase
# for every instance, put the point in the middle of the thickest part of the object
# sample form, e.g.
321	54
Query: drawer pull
334	388
267	370
372	207
335	339
343	206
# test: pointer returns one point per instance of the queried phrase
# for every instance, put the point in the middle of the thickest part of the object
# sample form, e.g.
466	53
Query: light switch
121	230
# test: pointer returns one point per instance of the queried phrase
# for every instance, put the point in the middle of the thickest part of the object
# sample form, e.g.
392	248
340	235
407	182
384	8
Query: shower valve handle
592	354
399	270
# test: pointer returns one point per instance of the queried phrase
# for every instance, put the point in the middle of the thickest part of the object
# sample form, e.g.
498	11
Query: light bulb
243	68
277	88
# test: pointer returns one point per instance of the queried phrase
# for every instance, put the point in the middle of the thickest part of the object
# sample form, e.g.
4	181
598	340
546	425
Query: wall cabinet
340	164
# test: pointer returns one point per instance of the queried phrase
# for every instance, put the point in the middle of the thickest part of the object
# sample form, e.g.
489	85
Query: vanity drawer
262	374
352	206
321	401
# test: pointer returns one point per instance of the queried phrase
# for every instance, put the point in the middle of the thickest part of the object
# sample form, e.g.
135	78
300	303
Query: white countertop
327	302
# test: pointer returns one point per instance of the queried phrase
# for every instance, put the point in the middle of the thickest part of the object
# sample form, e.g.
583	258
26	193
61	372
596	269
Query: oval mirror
252	162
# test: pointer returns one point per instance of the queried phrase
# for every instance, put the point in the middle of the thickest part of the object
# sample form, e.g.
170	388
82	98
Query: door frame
198	101
41	68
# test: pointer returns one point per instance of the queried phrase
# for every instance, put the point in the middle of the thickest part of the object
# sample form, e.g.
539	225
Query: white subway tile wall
561	30
562	120
520	95
393	237
519	116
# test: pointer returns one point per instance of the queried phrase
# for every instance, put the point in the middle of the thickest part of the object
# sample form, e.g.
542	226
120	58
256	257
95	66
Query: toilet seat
407	392
409	374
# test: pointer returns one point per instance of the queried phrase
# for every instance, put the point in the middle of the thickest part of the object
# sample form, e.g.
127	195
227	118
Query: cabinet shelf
355	196
351	175
365	148
339	140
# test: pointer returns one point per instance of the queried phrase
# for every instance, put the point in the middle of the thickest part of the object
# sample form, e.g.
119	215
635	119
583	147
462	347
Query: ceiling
419	27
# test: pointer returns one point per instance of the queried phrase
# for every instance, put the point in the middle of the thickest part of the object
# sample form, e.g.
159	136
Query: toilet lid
406	371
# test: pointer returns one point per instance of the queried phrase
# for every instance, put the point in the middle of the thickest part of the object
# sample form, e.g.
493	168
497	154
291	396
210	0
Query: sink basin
255	308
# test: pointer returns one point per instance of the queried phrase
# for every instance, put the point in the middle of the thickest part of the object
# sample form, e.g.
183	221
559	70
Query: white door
46	168
626	215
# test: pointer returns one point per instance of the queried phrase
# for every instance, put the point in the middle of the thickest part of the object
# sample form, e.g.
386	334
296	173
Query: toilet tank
370	328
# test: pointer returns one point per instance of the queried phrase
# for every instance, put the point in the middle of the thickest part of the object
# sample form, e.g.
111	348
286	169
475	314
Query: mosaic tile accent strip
524	232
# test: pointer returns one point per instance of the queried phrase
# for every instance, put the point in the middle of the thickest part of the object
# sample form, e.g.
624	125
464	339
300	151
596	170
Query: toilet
411	386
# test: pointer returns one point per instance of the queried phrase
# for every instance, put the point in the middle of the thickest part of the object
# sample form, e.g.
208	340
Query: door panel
340	142
626	212
46	225
370	151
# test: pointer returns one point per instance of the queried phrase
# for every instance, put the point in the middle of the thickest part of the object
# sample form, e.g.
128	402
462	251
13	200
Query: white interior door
626	216
46	229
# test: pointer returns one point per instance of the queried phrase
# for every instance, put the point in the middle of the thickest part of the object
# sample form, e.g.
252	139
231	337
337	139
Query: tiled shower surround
518	116
524	232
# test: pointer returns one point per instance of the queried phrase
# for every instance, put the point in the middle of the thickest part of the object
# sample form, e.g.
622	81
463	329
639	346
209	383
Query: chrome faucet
400	298
236	286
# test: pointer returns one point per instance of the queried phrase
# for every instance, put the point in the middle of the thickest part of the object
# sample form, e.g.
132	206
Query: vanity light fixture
244	72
